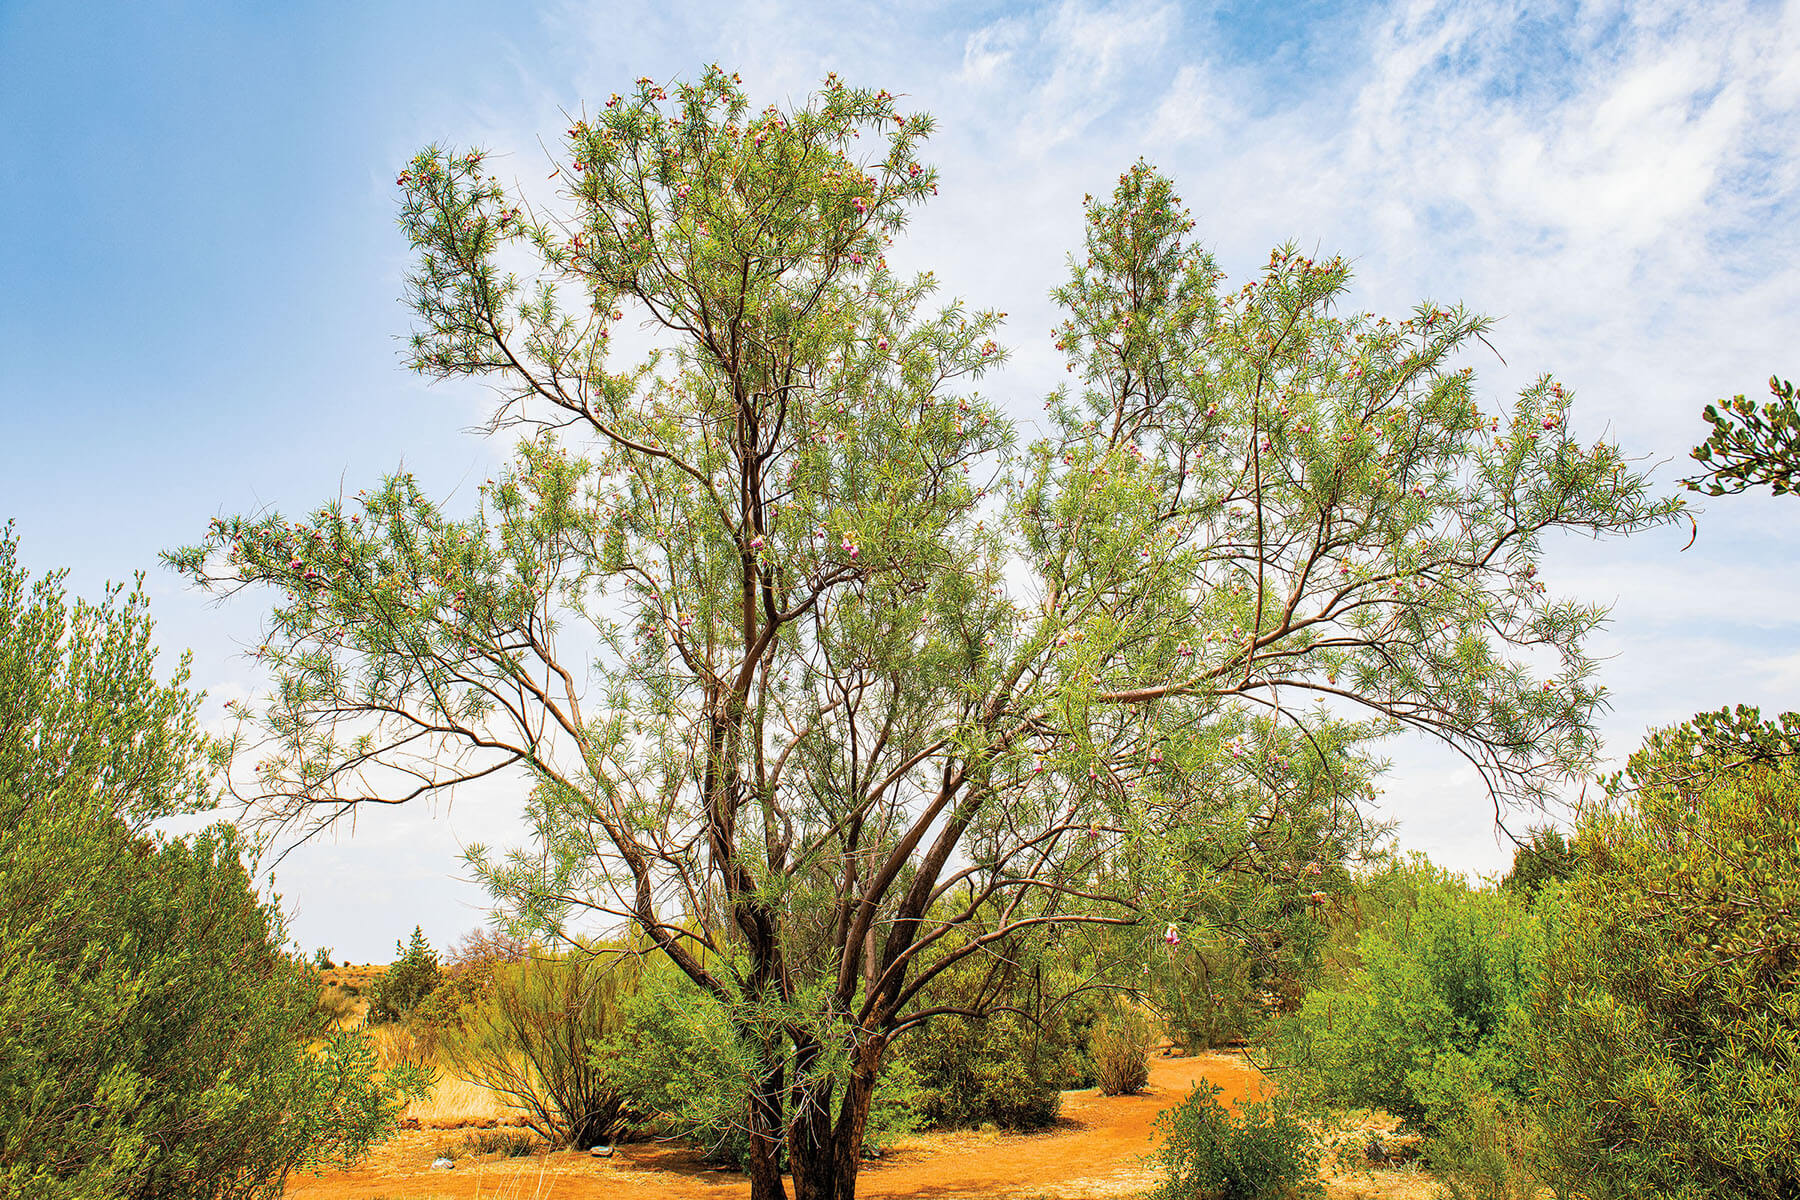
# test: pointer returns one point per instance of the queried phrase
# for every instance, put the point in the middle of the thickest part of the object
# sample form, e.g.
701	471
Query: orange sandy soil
1095	1151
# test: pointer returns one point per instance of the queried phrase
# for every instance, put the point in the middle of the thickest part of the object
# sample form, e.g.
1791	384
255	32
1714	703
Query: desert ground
1096	1151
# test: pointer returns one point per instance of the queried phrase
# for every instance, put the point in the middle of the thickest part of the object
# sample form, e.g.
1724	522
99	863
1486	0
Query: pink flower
1171	935
881	343
757	542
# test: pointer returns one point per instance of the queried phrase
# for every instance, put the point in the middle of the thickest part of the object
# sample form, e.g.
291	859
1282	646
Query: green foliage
999	1070
677	1059
1483	1150
1121	1041
1751	446
155	1034
1433	1013
1265	1153
1263	871
411	977
532	1037
1668	1021
464	981
1205	989
1547	856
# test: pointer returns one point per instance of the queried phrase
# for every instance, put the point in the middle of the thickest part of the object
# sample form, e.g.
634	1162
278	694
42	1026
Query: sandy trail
1094	1152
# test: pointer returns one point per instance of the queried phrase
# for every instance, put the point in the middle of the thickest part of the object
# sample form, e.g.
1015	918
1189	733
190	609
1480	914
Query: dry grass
1349	1171
459	1104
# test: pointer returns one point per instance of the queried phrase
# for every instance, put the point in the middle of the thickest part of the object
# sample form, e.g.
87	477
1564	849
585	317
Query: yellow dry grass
457	1103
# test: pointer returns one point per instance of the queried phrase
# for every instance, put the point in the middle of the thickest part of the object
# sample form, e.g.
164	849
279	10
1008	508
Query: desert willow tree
821	685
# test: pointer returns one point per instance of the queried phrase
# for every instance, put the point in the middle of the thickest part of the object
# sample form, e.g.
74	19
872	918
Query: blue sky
201	269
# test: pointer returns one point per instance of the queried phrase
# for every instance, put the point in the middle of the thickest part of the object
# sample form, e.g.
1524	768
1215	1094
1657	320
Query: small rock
601	1151
443	1164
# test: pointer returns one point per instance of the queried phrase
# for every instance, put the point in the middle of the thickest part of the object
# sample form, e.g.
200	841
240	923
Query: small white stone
443	1164
601	1151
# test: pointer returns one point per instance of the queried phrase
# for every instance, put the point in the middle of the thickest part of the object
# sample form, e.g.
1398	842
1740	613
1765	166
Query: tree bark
824	1154
765	1122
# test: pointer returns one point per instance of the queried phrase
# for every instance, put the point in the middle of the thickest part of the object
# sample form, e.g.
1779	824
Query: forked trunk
823	1153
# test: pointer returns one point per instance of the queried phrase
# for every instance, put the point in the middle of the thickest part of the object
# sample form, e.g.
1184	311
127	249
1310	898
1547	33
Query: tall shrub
677	1060
1668	1022
158	1037
532	1040
412	977
1432	1014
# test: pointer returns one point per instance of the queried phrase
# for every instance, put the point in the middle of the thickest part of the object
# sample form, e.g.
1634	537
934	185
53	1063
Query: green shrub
412	977
1668	1022
464	981
674	1058
1267	1153
1121	1050
677	1061
154	1026
1546	857
532	1040
1434	1012
998	1070
1482	1150
1206	994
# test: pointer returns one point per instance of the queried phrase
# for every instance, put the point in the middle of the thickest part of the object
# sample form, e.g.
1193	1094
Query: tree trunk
825	1155
766	1136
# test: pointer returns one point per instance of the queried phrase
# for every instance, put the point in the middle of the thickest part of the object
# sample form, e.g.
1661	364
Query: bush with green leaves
532	1038
677	1059
1668	1020
1265	1153
1433	1013
413	976
158	1037
1206	990
995	1070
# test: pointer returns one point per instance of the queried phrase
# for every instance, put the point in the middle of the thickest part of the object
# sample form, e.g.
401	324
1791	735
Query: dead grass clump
505	1143
1121	1047
338	1008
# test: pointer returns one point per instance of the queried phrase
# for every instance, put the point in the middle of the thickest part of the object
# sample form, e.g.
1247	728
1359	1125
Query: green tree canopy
809	664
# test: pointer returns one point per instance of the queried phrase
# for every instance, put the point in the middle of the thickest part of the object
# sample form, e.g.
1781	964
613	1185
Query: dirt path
1094	1152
